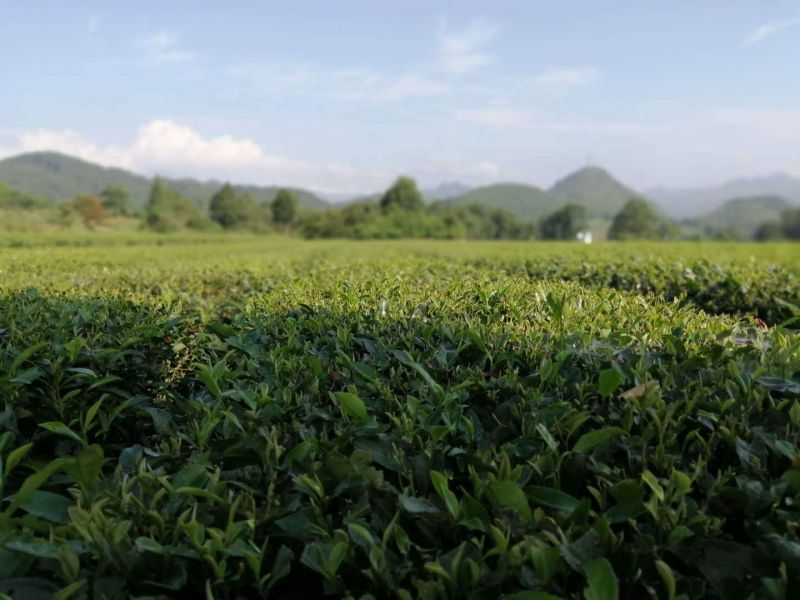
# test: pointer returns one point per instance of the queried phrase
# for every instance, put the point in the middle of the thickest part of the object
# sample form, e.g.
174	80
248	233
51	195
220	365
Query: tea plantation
233	417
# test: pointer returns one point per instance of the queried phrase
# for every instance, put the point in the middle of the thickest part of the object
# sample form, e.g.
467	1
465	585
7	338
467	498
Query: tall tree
284	207
769	231
403	194
791	223
565	223
116	200
167	210
637	220
225	207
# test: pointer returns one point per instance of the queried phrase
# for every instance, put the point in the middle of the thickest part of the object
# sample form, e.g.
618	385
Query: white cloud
500	117
162	47
506	118
768	30
363	84
172	149
71	142
566	77
463	50
168	148
770	124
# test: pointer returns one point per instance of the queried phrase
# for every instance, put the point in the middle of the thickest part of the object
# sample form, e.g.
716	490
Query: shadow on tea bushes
403	438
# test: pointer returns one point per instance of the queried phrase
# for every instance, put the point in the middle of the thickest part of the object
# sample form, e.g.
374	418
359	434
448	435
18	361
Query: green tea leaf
509	495
609	381
61	429
442	487
351	405
589	441
668	577
602	581
553	498
47	505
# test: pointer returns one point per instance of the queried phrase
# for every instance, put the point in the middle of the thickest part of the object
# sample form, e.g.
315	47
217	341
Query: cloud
531	120
172	149
463	50
772	125
458	52
768	30
92	24
168	148
565	78
162	47
71	142
505	118
363	84
435	170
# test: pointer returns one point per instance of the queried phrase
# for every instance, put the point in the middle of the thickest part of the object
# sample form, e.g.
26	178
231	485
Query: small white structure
585	236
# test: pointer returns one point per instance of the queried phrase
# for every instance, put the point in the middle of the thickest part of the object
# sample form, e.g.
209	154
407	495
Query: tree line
401	212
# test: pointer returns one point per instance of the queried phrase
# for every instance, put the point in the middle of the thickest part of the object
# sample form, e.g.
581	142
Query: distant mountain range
60	177
593	187
444	191
742	214
685	203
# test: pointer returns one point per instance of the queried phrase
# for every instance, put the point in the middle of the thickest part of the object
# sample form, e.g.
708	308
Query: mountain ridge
59	177
742	215
693	202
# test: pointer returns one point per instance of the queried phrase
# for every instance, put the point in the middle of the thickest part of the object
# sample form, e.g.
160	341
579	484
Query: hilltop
596	189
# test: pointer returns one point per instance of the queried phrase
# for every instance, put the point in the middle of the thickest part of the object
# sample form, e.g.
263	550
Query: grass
238	416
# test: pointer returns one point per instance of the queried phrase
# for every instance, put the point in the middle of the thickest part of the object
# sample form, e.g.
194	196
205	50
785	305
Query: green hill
59	177
743	214
525	201
601	194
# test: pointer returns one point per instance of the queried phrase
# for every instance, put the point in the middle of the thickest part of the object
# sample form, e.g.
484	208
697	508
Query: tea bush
375	425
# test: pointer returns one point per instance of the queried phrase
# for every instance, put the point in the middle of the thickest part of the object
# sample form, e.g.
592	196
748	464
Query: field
234	417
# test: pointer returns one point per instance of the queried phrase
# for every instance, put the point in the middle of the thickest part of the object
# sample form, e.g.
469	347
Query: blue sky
342	96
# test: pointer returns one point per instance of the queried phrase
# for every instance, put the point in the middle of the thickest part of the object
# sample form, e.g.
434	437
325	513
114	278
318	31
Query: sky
341	97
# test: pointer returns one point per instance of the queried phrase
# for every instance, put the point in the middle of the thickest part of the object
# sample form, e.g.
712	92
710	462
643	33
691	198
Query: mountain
526	201
694	202
596	189
743	214
447	190
201	191
59	177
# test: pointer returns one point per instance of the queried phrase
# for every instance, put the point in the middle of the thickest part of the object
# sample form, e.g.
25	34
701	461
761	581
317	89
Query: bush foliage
374	422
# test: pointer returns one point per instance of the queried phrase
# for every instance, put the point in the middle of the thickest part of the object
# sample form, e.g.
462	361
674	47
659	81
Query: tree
225	208
403	194
116	200
637	220
565	223
788	228
90	208
284	207
167	210
791	223
769	231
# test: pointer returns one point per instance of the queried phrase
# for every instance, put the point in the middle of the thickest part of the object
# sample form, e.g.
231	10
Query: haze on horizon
341	97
